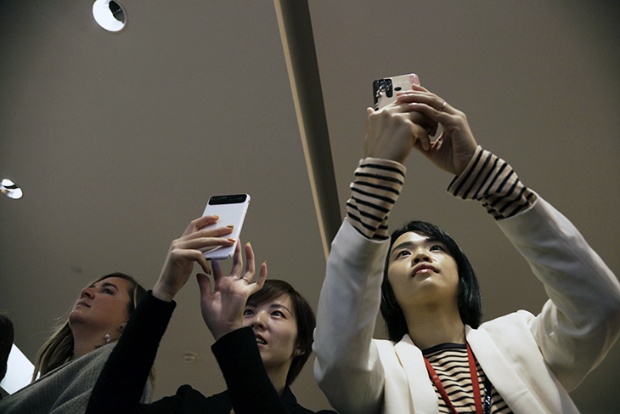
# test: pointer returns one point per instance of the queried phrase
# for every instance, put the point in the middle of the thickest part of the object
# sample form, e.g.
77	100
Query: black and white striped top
452	367
487	178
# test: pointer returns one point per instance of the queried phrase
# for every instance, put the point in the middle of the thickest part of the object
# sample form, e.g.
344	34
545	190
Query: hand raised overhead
199	236
456	145
222	307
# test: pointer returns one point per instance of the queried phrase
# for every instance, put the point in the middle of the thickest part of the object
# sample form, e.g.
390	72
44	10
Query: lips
260	340
81	302
424	269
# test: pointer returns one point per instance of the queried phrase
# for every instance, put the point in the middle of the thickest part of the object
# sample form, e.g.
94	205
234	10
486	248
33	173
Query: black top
121	382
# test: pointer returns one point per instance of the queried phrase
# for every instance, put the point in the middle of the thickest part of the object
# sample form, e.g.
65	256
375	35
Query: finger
438	142
207	220
423	140
180	256
217	269
199	223
435	146
441	117
204	284
237	260
262	276
205	265
432	129
210	232
429	99
216	236
203	244
418	146
415	87
249	262
418	118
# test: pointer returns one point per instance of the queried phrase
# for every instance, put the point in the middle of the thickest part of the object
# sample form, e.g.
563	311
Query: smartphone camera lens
383	87
388	88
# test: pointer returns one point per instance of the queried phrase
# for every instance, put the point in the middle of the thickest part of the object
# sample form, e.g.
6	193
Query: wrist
162	294
223	329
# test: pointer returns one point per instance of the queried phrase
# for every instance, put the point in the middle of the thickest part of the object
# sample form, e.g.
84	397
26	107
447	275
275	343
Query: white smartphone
231	209
384	90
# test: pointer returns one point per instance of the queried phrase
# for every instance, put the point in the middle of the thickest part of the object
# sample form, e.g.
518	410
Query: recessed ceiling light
10	189
109	14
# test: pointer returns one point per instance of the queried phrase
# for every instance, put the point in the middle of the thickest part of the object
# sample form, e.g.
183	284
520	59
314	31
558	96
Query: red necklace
474	383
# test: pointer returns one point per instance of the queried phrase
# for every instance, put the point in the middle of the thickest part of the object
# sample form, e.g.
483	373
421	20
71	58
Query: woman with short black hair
439	357
262	330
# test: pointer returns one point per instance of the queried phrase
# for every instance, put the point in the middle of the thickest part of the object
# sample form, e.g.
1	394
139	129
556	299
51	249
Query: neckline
442	347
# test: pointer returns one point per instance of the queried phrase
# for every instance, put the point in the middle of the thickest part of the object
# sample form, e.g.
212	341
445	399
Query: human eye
278	313
248	312
402	253
108	290
438	247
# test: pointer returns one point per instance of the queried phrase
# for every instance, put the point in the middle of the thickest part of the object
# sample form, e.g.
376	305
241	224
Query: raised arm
249	387
581	320
121	382
348	368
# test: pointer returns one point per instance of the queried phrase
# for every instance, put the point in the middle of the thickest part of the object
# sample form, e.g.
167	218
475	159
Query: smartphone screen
231	209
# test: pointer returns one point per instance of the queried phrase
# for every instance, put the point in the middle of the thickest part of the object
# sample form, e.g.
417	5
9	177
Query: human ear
298	351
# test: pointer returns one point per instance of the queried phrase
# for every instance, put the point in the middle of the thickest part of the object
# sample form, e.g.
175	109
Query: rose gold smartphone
384	90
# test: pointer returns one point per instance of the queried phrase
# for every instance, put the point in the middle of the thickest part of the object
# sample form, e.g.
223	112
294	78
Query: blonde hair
58	349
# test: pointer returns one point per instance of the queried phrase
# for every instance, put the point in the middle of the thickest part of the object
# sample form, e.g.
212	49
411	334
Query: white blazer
532	361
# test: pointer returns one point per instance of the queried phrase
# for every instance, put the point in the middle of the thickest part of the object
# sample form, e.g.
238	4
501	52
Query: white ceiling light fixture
10	189
109	14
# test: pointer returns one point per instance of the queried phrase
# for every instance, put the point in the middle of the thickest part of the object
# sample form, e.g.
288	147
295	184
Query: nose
258	321
87	292
421	255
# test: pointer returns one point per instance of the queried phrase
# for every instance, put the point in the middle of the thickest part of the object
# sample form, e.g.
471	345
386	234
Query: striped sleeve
374	191
492	181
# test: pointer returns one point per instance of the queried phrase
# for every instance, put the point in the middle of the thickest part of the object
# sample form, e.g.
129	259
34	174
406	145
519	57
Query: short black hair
469	302
304	317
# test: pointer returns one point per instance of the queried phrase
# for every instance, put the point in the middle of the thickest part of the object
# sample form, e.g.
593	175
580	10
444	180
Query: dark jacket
121	382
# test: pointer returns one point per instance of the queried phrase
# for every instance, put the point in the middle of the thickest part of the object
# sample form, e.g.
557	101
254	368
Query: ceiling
118	140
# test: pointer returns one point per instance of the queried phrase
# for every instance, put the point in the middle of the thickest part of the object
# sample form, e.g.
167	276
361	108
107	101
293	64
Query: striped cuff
492	181
374	191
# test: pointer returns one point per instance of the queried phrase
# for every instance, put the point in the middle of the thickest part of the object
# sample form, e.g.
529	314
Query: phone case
384	90
231	209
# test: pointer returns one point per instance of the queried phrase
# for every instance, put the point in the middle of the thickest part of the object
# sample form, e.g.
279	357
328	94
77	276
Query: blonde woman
68	364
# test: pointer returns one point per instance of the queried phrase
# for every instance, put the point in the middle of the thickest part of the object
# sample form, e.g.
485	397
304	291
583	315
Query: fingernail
230	239
231	226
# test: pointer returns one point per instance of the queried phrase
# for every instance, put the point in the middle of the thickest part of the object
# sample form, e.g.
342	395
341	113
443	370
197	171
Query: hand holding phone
231	210
384	90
